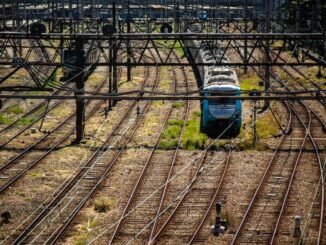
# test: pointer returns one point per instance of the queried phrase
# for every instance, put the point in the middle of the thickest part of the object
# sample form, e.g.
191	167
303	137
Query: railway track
315	133
293	71
155	174
261	226
6	104
256	225
290	207
13	169
201	234
188	210
51	222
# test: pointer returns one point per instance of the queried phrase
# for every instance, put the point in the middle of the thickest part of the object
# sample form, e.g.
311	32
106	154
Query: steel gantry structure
116	29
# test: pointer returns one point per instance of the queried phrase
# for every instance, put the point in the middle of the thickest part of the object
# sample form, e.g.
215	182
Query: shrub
178	104
103	204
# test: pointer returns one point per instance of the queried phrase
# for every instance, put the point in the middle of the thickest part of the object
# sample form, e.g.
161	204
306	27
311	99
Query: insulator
108	30
37	29
166	28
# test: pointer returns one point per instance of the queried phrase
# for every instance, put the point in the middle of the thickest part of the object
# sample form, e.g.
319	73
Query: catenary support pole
79	80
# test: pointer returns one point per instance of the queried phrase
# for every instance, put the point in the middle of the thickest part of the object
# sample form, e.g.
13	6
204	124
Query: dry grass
266	127
94	80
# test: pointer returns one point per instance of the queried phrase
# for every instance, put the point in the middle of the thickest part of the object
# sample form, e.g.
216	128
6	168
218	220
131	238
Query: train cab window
222	102
221	79
217	73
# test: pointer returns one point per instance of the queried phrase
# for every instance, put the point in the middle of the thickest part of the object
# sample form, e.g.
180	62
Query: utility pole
79	80
255	124
128	45
245	70
185	15
267	55
297	16
114	56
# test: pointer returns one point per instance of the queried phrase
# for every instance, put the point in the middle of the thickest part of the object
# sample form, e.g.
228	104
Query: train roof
223	87
216	75
221	76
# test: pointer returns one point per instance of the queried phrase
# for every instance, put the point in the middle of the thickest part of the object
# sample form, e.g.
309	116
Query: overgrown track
149	191
51	222
270	215
12	169
200	235
294	72
310	156
189	210
6	103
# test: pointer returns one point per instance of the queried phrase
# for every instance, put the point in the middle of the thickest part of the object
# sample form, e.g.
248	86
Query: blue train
217	115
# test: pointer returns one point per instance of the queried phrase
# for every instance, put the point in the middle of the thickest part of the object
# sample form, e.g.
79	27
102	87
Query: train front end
222	114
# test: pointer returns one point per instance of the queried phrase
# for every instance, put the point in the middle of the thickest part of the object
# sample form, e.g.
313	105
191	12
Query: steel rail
157	234
142	174
13	179
289	185
11	161
139	180
308	135
262	181
188	189
321	168
78	176
313	142
69	185
321	100
32	124
54	237
175	155
28	113
320	165
214	199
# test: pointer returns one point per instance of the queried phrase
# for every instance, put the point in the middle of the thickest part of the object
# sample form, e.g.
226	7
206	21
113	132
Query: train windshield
222	102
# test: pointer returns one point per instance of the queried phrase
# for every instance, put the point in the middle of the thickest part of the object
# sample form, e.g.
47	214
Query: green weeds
192	138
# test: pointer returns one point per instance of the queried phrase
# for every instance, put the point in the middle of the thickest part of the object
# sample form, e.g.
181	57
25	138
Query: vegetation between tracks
266	127
311	73
192	138
250	82
176	46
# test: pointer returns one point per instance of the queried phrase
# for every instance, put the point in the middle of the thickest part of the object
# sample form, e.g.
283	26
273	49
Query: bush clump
178	104
103	204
